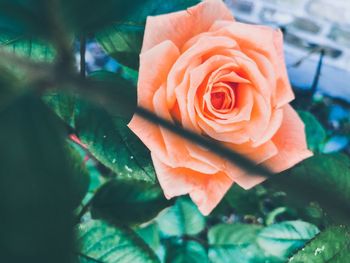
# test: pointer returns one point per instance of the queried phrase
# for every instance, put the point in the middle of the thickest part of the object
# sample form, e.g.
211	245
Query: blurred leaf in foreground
35	185
323	178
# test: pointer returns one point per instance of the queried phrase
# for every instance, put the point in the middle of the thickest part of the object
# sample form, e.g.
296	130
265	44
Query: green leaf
282	239
123	42
101	242
234	243
107	137
331	245
324	178
36	192
183	218
186	252
64	105
111	142
150	234
233	234
128	202
243	201
315	133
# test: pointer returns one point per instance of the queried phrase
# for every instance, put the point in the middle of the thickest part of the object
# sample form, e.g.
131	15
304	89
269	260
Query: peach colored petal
205	45
259	118
175	145
290	141
208	195
284	93
249	181
152	74
174	181
155	65
266	41
205	190
179	27
273	126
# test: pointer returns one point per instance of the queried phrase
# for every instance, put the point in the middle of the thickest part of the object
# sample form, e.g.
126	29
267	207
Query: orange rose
222	79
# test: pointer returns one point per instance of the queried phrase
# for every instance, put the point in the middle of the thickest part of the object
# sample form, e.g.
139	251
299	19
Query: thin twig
317	73
82	56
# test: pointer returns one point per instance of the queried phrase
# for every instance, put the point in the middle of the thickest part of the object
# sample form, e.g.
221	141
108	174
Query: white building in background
308	24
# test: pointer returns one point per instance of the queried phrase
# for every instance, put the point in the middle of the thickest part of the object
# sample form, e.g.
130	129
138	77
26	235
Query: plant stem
82	56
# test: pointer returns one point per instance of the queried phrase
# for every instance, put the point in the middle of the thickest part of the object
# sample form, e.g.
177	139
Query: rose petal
152	74
264	40
175	145
205	190
290	141
186	24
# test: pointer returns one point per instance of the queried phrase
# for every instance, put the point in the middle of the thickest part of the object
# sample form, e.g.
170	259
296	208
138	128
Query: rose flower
222	79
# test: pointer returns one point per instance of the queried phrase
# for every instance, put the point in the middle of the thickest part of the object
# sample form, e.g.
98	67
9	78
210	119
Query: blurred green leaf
323	178
284	238
186	252
123	91
80	177
128	202
24	17
157	7
150	234
64	105
243	201
35	49
315	133
331	245
183	218
123	42
107	137
101	242
35	185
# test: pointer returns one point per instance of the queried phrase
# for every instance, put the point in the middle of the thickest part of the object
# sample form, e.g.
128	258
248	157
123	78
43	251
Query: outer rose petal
152	74
290	141
181	26
206	190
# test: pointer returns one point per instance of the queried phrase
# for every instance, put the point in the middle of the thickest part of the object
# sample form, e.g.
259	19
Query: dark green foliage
323	178
128	202
36	198
185	251
315	133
